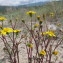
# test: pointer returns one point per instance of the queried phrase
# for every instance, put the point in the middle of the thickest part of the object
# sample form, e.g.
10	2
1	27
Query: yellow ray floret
3	32
2	18
36	25
15	31
52	14
50	33
42	52
8	30
31	12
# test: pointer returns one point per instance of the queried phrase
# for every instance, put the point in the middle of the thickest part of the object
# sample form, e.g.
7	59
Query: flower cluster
7	30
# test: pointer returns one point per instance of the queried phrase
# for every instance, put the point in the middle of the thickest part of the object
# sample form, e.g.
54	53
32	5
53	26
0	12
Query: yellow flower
38	17
55	52
50	33
36	25
15	31
8	30
30	45
52	14
3	32
2	18
30	13
42	52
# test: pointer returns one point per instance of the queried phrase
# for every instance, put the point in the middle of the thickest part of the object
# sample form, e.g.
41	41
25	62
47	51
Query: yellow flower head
42	52
38	17
52	14
30	13
50	33
2	18
30	45
36	25
55	52
2	32
8	30
15	31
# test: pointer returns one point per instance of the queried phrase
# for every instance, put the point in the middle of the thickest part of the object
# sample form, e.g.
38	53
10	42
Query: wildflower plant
41	45
12	34
42	41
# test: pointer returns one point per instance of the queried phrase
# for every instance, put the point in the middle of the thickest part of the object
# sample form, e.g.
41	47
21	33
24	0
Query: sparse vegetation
39	28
